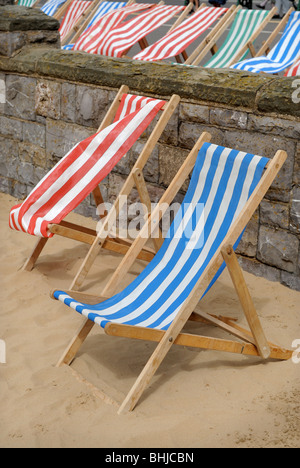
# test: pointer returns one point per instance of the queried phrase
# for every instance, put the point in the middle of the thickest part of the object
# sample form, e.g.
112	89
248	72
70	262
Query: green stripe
245	24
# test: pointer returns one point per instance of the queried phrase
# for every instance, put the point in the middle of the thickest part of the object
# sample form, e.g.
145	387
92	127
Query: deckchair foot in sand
226	189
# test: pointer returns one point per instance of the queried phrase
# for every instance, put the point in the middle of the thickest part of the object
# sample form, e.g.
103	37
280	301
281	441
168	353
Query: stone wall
53	99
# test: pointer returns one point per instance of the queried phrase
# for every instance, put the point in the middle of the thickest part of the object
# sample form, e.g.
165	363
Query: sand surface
196	399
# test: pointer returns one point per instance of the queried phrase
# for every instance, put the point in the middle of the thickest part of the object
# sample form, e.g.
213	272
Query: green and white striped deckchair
247	25
26	3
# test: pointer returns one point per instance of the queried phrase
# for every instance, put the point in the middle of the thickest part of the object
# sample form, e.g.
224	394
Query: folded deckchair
118	40
75	11
105	24
282	55
247	26
225	190
84	167
99	10
51	7
294	70
179	38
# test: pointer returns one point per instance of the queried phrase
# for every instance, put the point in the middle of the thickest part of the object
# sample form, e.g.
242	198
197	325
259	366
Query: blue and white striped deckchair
103	9
282	55
51	6
225	190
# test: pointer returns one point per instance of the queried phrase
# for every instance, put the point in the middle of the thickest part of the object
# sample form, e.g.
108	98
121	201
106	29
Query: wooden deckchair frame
143	43
80	26
210	40
254	343
89	236
206	47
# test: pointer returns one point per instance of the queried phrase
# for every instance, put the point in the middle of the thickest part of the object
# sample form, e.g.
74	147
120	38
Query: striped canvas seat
222	181
121	38
282	55
294	70
105	24
73	14
26	3
245	25
83	168
51	6
176	41
103	9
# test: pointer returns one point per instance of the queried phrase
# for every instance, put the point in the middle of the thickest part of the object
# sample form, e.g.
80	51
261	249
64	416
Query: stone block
274	214
290	280
33	154
91	106
260	269
278	248
194	113
5	185
248	244
277	98
190	132
267	145
47	99
34	133
61	137
9	158
170	161
273	125
170	133
20	97
228	118
11	128
11	43
19	18
25	173
68	102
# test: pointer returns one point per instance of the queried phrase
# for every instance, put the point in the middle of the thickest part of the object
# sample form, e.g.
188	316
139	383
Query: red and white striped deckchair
178	39
121	38
105	24
294	70
73	14
84	167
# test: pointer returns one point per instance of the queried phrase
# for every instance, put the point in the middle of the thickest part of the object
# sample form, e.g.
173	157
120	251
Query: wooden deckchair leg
246	301
30	262
69	354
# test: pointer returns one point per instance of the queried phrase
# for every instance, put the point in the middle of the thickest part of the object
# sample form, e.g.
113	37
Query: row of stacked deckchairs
226	188
100	28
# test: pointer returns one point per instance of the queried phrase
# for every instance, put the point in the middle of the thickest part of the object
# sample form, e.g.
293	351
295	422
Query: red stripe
203	20
110	165
73	181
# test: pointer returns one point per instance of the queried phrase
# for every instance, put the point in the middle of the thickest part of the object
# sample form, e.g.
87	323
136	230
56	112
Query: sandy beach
196	399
